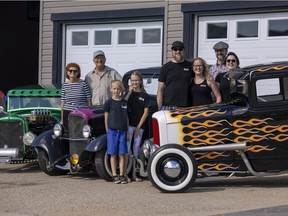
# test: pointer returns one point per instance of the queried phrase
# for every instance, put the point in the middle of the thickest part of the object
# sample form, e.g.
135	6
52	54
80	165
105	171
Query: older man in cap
221	49
100	78
174	80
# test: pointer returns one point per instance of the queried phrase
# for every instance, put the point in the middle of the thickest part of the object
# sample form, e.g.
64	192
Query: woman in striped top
75	92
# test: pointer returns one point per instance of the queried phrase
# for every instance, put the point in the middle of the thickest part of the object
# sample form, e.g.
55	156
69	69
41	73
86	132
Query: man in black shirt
174	80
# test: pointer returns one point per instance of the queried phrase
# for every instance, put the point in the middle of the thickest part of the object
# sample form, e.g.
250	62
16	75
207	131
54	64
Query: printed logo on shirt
141	98
186	69
203	85
124	106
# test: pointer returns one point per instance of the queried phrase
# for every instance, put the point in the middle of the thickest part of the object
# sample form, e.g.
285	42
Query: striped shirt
75	95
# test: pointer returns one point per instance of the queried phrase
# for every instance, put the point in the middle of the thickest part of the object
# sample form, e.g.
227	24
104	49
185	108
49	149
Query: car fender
54	147
97	144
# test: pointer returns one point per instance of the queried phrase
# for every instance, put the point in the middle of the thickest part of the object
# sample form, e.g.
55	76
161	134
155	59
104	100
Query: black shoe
116	179
123	180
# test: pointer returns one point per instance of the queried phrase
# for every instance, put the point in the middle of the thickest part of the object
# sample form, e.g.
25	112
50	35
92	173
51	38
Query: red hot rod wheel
172	168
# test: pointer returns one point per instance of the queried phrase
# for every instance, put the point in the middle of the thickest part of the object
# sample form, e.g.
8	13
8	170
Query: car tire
172	168
102	164
43	160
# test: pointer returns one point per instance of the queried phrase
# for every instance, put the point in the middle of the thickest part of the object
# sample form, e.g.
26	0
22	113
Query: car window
268	90
27	102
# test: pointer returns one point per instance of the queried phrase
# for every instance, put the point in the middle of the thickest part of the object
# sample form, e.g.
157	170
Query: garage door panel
251	50
145	51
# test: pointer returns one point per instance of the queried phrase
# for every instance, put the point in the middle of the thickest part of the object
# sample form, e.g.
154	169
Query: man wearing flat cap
100	78
221	49
174	80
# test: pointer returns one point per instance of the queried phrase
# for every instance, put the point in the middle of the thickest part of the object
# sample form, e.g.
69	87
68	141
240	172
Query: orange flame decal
254	138
258	148
278	67
218	167
211	155
253	122
242	131
278	137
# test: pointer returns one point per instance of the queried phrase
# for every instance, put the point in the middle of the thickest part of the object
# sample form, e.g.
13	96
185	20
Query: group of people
125	112
181	84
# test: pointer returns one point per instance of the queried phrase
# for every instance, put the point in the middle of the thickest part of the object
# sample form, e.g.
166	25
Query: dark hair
72	65
235	56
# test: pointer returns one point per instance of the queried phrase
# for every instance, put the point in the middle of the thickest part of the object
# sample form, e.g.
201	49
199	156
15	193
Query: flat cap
177	44
220	45
97	53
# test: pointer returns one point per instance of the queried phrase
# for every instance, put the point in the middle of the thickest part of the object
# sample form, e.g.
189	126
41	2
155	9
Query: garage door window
80	38
151	36
247	29
278	28
102	37
216	30
127	36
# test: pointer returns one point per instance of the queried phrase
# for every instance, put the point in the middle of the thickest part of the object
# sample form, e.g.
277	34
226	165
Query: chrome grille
11	134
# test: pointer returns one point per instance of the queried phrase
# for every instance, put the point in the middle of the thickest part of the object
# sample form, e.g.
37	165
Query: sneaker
123	180
116	179
128	179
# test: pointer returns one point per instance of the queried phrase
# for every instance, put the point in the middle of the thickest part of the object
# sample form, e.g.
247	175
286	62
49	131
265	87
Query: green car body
31	110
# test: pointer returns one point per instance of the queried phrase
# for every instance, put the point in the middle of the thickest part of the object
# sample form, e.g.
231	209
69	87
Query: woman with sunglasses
227	80
75	92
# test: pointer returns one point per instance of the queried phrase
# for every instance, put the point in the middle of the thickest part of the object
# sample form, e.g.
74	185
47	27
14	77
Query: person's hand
131	88
136	132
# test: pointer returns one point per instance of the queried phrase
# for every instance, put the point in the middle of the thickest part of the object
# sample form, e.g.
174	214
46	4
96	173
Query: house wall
46	33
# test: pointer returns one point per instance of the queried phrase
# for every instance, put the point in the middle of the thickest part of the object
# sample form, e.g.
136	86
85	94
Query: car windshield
27	102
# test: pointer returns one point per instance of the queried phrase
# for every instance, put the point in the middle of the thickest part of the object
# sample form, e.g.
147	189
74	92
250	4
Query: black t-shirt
224	81
137	102
177	77
200	93
118	113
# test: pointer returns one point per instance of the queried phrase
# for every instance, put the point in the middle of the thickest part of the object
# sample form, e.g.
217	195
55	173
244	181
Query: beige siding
173	24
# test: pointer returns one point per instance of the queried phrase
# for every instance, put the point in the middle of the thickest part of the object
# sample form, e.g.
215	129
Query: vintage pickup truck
247	136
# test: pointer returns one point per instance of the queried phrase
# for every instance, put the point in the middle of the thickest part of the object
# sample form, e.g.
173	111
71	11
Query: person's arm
89	101
129	93
141	122
106	121
160	93
213	85
62	105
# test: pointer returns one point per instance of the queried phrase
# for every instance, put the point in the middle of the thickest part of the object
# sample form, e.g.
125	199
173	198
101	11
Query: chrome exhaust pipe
10	152
222	147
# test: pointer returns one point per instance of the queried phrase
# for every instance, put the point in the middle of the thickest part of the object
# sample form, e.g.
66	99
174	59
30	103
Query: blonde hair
206	73
139	75
118	83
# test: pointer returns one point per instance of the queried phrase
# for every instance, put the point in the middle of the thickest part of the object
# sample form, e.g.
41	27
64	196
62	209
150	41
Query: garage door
127	45
255	38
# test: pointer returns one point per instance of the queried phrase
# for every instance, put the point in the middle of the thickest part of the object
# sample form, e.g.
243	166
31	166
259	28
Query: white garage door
255	38
127	45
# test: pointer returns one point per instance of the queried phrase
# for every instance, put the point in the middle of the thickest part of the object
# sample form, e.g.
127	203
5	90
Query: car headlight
58	130
28	138
86	131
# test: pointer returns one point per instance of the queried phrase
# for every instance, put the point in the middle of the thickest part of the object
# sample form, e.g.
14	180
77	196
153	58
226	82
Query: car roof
36	90
145	71
267	66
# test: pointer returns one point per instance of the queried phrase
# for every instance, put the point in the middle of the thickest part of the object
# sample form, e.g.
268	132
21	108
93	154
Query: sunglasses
177	49
73	71
231	60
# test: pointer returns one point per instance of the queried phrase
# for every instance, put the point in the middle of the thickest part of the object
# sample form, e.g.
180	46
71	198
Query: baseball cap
220	45
177	44
98	52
